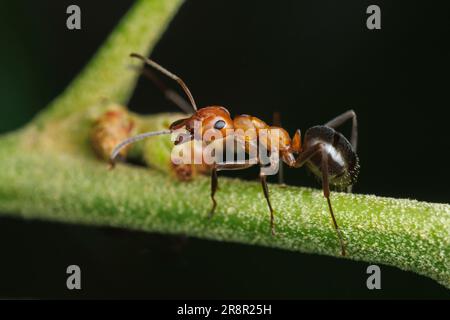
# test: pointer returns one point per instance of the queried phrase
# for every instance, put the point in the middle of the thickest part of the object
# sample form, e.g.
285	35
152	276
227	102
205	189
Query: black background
310	60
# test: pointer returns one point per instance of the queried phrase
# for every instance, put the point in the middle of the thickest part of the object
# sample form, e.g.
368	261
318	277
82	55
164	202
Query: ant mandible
324	151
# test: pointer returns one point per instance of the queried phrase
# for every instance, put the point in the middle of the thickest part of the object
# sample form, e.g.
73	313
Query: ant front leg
339	120
241	166
215	181
214	184
326	193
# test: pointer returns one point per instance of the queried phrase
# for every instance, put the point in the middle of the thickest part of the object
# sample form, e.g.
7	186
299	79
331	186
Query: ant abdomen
343	164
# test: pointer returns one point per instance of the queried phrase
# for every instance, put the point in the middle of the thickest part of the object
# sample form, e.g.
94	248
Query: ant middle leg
263	179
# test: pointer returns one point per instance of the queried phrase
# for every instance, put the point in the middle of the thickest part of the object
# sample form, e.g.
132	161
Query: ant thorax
343	164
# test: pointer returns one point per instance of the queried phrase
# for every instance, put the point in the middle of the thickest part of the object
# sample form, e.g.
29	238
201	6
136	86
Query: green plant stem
408	234
48	171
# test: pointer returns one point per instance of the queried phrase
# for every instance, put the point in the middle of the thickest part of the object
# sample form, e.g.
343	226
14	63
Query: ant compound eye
220	124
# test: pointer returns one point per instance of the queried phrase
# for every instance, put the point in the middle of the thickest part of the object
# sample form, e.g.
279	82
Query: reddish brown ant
324	151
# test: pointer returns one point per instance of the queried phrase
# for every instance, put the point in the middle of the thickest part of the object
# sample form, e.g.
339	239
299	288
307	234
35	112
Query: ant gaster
324	151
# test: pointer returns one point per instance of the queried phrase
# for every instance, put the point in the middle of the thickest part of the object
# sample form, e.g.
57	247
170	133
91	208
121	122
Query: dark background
310	60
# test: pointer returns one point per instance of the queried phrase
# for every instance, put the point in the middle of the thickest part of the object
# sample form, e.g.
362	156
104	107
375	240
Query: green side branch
48	171
110	74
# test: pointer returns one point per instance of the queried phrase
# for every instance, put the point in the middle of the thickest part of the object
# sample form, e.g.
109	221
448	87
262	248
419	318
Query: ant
324	151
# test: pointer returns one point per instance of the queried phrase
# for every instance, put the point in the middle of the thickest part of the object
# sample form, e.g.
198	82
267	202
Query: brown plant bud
112	127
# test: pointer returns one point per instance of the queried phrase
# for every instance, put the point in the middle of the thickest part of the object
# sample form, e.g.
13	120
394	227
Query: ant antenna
131	140
169	74
169	94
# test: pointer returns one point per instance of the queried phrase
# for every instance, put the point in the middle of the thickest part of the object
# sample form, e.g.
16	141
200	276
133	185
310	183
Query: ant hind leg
339	120
277	123
326	193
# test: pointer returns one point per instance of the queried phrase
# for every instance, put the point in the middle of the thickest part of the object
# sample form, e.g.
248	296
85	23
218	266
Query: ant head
214	120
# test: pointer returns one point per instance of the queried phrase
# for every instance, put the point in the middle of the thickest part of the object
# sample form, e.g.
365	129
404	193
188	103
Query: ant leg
214	179
306	155
237	166
339	120
326	193
262	177
214	183
277	123
240	166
